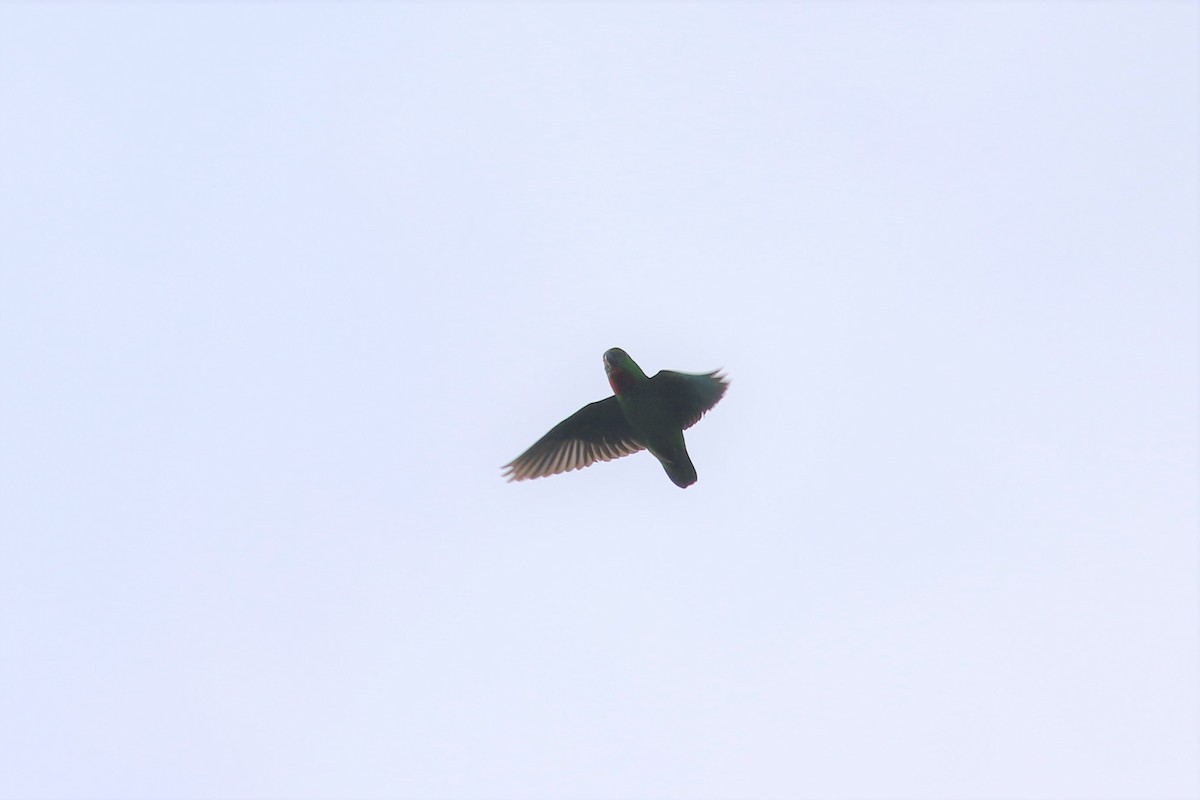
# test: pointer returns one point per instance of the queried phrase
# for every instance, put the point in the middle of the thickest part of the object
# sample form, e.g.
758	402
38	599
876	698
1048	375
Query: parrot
642	414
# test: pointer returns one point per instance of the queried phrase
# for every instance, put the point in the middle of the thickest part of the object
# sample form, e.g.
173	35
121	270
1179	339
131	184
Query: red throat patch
620	381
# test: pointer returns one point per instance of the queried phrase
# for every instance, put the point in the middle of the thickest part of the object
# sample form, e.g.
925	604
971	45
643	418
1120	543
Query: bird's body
643	413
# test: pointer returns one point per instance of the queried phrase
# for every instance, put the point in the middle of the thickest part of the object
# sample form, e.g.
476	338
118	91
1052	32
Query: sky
283	286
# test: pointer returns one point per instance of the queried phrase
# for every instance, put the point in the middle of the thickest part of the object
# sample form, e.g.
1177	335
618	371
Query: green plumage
643	413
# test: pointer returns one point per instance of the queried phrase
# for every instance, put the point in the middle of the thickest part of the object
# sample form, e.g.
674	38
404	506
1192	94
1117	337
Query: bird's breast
622	382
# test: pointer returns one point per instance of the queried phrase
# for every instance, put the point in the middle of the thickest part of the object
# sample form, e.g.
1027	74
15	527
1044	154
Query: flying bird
643	414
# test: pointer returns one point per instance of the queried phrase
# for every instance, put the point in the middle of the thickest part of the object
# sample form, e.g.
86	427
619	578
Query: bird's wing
689	396
596	432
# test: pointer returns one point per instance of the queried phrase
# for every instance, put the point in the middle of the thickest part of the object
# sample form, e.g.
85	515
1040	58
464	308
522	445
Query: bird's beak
612	359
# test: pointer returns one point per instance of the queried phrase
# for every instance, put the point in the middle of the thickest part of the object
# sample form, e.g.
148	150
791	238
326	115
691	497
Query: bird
642	414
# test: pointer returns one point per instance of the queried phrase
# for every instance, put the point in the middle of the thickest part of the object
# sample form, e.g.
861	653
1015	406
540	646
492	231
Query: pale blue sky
283	285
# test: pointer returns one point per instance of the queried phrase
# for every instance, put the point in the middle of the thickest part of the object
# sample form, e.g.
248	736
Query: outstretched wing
689	396
596	432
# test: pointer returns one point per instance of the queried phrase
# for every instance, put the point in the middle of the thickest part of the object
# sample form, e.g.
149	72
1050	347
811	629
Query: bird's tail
679	468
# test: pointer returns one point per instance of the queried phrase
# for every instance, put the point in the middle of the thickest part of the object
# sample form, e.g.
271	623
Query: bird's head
615	359
623	373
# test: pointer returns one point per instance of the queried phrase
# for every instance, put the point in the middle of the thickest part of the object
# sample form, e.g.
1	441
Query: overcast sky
282	286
